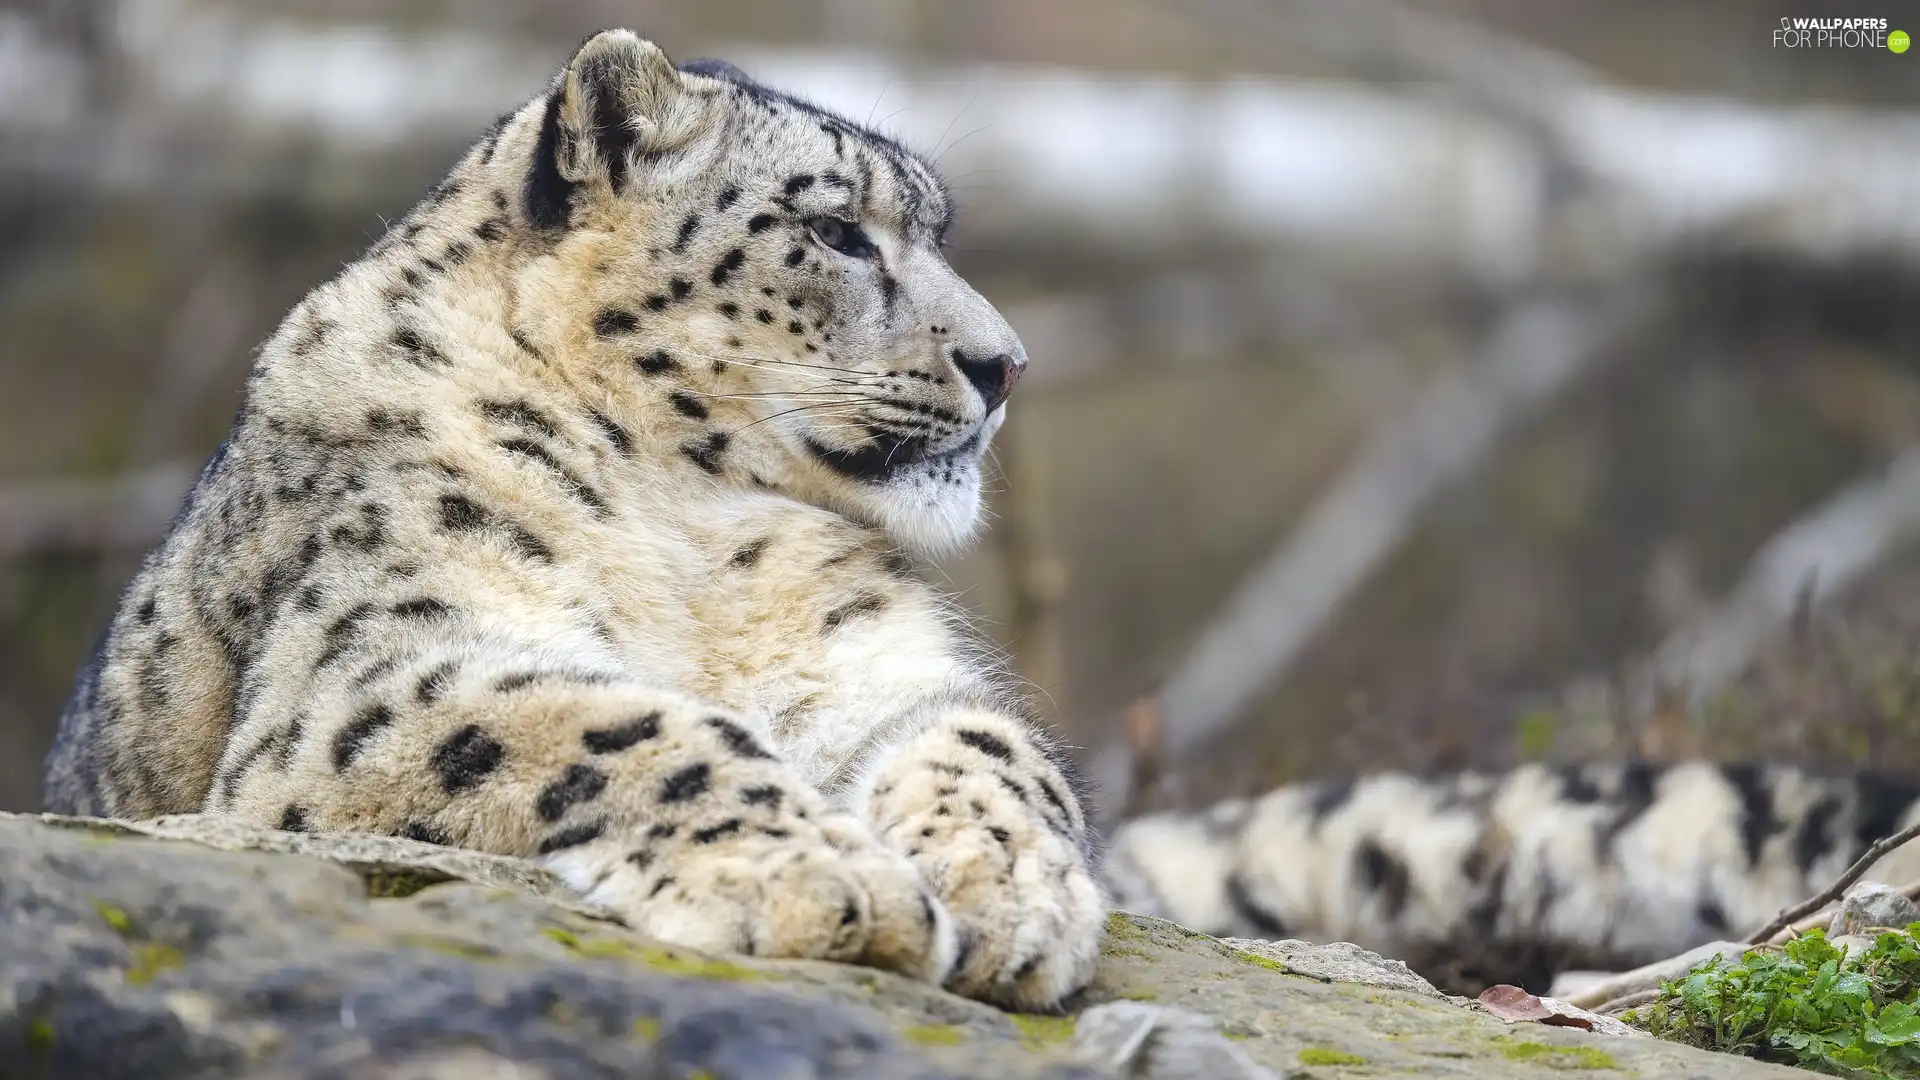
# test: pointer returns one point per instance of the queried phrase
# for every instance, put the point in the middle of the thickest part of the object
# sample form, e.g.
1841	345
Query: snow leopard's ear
619	101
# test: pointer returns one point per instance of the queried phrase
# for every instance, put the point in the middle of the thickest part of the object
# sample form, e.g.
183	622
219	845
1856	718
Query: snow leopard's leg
423	720
980	801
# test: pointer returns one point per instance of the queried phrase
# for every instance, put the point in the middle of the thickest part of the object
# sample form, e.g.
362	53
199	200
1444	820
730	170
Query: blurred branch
1521	84
129	513
1036	575
353	121
1833	892
1539	349
1646	167
196	352
1142	729
197	349
1810	561
1535	352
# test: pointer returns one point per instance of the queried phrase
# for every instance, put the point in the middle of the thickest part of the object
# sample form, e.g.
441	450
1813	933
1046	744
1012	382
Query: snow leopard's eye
842	236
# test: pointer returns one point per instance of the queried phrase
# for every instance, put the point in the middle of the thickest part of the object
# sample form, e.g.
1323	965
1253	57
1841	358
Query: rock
198	948
391	866
1159	1042
1338	961
1592	1021
1855	944
1868	904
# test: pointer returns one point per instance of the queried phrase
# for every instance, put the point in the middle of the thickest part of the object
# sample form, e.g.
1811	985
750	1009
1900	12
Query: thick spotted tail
1480	878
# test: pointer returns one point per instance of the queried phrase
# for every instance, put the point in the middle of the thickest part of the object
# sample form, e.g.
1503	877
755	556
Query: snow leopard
581	519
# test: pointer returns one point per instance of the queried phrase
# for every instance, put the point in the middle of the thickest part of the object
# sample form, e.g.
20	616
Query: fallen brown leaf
1512	1004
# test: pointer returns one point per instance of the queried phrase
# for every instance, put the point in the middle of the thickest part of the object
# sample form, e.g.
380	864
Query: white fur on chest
753	639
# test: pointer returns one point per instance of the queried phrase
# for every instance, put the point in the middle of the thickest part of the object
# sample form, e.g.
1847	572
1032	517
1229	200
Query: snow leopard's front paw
805	890
1028	911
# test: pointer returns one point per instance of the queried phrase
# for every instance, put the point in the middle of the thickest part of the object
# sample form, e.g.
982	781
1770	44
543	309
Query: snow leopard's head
780	268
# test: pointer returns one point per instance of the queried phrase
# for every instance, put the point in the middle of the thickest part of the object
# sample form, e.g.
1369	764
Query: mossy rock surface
198	948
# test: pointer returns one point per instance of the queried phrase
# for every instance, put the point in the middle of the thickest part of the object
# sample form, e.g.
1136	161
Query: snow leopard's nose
992	376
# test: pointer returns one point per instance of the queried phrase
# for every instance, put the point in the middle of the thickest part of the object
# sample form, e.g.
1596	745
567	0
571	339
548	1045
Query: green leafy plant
1808	1003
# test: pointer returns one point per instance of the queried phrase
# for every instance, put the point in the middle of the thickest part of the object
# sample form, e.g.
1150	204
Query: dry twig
1143	744
1631	1001
1610	991
1789	916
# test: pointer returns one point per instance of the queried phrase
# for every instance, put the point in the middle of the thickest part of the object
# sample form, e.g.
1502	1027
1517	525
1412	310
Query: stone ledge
199	947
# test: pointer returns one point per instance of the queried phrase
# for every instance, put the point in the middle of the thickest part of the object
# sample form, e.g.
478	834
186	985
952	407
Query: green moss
450	946
673	963
668	961
1536	733
1261	961
935	1035
150	958
647	1028
1122	928
397	884
1140	995
1040	1031
1558	1057
40	1039
1320	1055
114	917
1394	1000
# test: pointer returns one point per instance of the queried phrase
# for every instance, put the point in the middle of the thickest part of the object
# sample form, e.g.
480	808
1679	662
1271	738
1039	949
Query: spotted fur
570	522
1480	878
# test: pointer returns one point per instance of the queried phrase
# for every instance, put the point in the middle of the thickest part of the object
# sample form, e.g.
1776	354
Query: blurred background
1426	385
